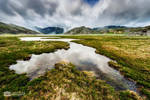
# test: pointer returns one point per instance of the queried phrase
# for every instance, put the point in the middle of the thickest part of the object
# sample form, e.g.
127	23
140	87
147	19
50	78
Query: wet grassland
132	56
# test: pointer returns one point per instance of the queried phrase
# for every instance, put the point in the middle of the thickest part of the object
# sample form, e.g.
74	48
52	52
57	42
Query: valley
74	50
131	61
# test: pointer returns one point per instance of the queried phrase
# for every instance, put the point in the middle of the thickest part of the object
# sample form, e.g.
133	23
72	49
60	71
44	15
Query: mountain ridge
80	30
14	29
50	30
111	29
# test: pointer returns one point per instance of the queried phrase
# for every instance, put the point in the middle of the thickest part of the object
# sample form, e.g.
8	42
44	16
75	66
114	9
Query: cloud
6	8
73	13
127	10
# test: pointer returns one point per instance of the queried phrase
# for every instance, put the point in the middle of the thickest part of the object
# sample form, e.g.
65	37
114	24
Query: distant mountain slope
81	30
98	30
110	27
14	29
114	27
51	30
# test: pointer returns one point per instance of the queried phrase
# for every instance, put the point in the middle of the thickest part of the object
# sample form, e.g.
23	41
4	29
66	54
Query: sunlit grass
65	82
132	53
11	50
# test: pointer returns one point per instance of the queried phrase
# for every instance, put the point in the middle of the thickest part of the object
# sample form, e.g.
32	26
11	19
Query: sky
75	13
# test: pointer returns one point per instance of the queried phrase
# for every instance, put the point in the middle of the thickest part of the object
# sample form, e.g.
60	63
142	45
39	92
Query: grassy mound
131	53
12	49
65	82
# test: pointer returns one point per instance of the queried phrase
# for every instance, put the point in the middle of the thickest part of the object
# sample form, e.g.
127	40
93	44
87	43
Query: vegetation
131	53
82	30
135	31
65	82
11	50
51	30
13	29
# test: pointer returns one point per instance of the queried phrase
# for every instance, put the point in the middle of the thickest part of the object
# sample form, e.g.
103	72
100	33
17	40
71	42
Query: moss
114	65
67	79
129	95
11	50
131	53
146	92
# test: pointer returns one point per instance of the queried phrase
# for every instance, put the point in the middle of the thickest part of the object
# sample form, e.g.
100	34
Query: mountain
50	30
14	29
96	30
114	27
81	30
109	27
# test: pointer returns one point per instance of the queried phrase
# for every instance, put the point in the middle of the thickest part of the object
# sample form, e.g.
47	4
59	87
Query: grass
11	50
13	29
65	82
131	53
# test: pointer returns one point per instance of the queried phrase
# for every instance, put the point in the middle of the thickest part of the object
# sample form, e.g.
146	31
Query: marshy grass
11	50
131	53
64	81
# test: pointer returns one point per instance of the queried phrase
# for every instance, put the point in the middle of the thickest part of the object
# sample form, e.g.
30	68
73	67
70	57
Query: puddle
83	57
45	39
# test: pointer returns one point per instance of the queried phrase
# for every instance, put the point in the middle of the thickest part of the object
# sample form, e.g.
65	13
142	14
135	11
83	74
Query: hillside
109	27
14	29
99	30
139	31
51	30
81	30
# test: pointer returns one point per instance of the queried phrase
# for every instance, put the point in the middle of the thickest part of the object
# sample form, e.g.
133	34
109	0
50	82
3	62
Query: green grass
65	82
13	29
11	50
131	53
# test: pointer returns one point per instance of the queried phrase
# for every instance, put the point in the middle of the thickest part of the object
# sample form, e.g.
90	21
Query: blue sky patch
91	2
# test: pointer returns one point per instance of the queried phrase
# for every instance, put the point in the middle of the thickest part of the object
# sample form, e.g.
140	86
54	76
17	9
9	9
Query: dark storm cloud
52	9
20	10
42	7
5	7
128	10
37	6
75	12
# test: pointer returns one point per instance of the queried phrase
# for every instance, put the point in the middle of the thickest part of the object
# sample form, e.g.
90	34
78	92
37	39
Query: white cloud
73	13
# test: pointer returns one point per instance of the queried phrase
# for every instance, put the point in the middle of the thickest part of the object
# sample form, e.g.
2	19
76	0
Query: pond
83	57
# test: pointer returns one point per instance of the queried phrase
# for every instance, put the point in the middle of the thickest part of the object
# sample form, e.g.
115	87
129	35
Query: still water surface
83	57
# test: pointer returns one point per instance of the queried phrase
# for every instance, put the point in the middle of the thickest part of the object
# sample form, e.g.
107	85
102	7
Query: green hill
14	29
81	30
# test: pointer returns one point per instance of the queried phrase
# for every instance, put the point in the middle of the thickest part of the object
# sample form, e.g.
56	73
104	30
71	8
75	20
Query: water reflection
81	56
